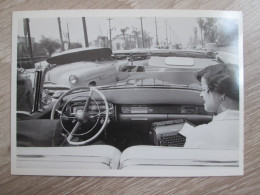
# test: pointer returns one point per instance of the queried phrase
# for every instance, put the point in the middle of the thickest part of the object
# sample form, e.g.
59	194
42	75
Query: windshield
161	71
164	69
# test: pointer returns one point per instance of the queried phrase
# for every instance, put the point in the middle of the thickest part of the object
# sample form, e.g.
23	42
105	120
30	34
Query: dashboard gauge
139	110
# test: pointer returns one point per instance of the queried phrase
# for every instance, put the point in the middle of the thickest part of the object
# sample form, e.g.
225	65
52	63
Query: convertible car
132	123
82	67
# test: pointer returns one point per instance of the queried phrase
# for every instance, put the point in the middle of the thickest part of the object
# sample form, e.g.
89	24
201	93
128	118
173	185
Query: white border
179	172
126	13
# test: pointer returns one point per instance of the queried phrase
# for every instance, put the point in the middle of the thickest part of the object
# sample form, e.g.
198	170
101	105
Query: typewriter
165	133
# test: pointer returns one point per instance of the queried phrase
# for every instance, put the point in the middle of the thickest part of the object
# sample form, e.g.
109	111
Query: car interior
132	114
120	121
91	127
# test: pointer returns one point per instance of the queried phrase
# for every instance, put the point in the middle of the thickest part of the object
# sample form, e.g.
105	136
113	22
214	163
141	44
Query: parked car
124	116
211	49
83	67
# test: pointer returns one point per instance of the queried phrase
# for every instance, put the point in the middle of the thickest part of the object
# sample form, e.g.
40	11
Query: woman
220	92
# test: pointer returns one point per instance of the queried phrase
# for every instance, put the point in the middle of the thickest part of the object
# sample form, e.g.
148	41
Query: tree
210	30
222	31
136	34
201	22
195	30
147	39
38	50
49	44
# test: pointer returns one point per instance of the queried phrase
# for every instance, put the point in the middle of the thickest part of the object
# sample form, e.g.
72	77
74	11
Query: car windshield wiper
117	85
166	85
172	86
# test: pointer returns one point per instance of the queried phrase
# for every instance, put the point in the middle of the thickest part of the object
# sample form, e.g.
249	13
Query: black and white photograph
143	93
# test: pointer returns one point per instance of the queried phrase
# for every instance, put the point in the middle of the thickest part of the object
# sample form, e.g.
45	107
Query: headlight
72	79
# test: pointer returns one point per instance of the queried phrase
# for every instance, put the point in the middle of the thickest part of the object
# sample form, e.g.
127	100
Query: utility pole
68	35
61	40
25	32
85	31
170	35
27	21
136	37
166	33
123	30
110	41
130	41
173	39
157	43
142	30
216	38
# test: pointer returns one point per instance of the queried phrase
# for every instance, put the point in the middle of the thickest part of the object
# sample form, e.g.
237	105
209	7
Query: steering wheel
82	116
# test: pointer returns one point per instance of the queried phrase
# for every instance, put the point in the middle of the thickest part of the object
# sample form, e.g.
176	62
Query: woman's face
211	100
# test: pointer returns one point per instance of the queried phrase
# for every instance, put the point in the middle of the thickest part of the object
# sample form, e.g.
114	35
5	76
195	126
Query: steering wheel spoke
58	111
88	101
76	127
82	117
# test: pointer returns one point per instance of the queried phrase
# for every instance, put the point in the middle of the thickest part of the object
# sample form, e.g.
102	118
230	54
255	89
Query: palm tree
123	30
201	25
195	29
136	34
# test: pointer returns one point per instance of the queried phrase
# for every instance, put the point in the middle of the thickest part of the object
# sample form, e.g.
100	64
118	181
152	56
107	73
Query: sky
178	29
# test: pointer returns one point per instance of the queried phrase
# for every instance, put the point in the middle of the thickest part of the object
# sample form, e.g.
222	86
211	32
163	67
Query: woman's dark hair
222	79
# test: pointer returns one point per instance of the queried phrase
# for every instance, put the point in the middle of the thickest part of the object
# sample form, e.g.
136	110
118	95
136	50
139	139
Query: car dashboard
151	113
142	112
94	108
132	113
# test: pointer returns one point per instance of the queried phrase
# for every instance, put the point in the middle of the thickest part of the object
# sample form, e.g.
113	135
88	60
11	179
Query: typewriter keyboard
173	140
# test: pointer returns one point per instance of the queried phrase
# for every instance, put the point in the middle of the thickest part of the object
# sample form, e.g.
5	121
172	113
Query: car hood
60	72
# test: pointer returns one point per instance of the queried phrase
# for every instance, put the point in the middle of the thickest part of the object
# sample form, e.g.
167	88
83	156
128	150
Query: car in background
211	49
82	67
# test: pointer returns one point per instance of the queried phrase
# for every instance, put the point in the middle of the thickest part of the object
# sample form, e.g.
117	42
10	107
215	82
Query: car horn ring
62	111
70	136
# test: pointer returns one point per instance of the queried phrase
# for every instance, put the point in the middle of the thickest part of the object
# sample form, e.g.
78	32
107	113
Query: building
126	42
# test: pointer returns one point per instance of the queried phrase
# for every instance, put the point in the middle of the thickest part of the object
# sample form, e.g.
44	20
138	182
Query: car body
125	115
83	67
